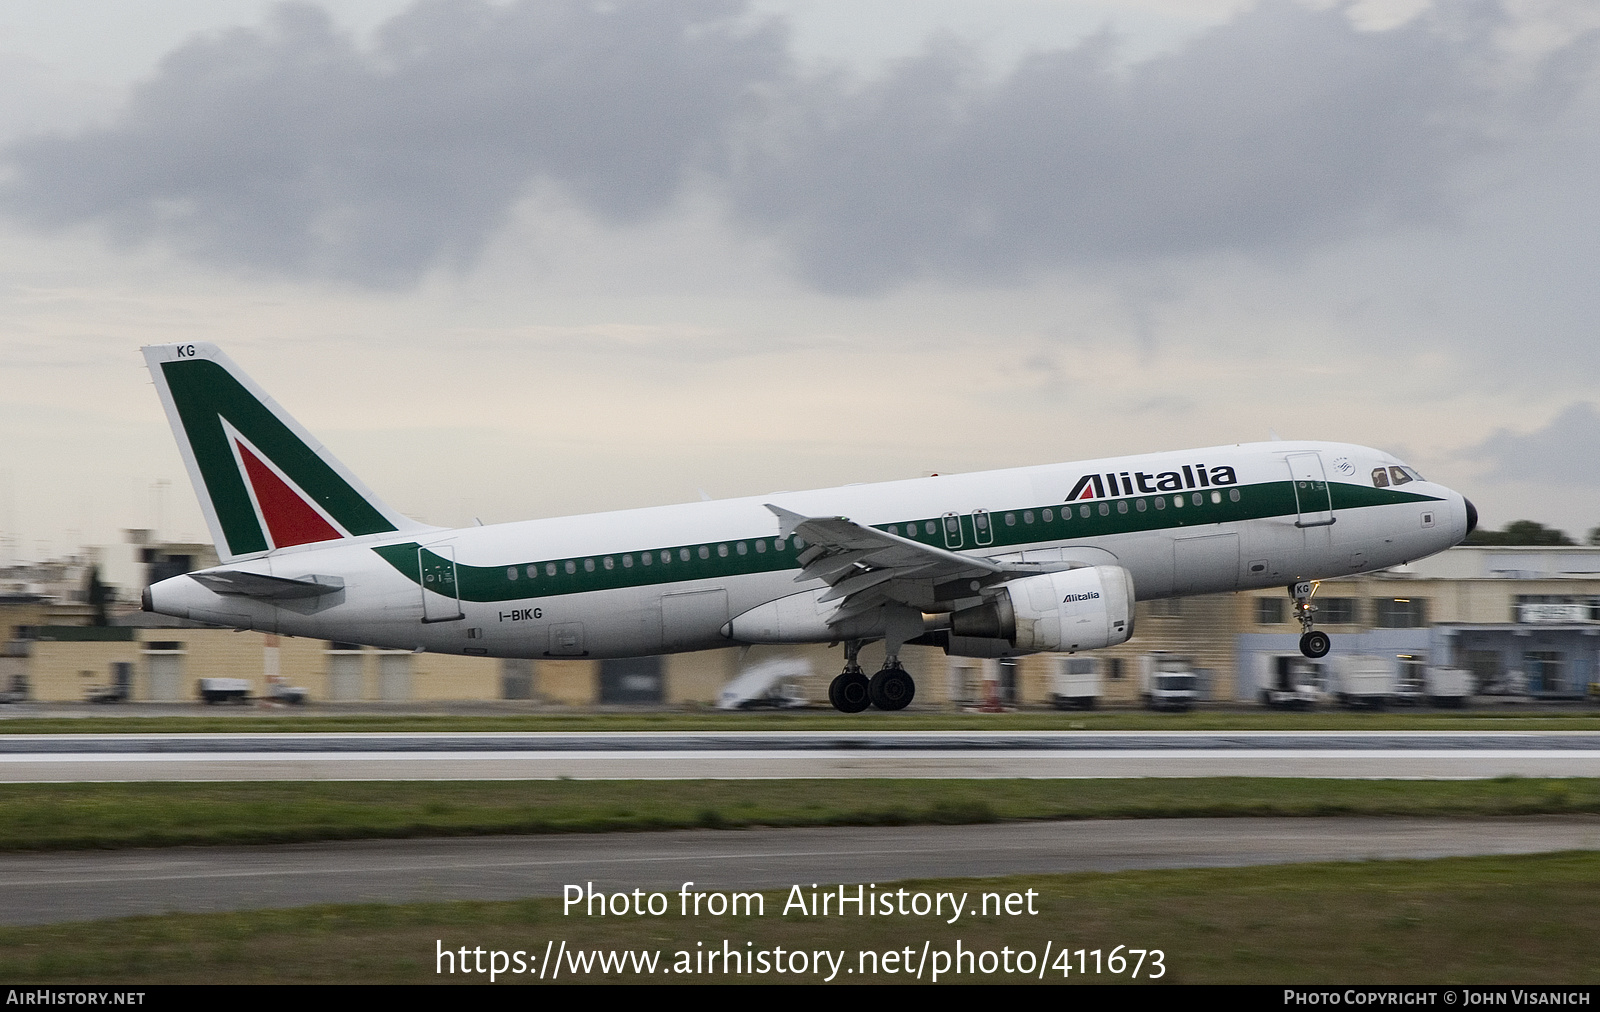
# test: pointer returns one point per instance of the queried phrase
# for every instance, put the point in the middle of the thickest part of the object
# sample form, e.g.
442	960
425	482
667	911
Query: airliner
1003	563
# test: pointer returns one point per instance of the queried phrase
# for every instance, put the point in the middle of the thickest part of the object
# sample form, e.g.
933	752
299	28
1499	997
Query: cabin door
1313	499
441	594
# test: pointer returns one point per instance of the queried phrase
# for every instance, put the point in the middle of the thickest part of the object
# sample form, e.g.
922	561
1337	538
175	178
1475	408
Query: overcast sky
525	259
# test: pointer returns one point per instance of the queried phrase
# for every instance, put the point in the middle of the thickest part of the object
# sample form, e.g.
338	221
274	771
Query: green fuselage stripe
488	584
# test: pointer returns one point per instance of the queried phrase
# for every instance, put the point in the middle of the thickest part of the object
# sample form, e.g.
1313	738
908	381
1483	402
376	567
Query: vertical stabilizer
263	481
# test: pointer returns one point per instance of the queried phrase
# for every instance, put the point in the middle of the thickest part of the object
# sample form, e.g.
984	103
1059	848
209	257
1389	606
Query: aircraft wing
865	567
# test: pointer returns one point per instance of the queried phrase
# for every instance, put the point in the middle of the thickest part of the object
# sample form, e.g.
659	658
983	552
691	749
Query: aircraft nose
1472	515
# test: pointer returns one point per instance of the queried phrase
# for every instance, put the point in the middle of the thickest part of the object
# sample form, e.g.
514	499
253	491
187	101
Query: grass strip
115	815
286	720
1481	920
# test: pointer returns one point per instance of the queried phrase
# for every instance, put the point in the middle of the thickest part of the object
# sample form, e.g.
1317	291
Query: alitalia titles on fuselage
1095	486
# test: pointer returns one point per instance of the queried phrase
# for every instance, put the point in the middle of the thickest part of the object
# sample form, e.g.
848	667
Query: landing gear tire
1315	644
850	692
891	689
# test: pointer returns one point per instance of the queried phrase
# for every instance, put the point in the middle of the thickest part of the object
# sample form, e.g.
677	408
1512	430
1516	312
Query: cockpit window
1399	475
1380	477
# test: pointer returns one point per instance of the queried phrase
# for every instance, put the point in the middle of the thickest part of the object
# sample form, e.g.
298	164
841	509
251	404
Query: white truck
1167	681
1449	686
225	690
1289	681
1364	681
1076	685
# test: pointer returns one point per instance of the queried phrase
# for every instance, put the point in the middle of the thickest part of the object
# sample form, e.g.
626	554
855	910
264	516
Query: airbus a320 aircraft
995	564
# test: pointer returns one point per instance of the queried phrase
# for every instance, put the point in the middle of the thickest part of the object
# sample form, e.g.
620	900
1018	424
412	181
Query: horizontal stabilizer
275	588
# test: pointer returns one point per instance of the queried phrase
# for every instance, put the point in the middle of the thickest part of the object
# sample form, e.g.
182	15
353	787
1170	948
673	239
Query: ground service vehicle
1363	681
1075	684
1449	686
1290	682
1167	682
225	690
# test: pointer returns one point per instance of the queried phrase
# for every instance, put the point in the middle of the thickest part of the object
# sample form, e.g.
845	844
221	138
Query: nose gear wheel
1313	644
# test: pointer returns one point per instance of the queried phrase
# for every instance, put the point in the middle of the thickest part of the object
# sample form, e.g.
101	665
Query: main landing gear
852	691
1313	644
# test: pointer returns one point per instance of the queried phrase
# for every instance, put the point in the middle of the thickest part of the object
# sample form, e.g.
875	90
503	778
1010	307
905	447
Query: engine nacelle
1080	609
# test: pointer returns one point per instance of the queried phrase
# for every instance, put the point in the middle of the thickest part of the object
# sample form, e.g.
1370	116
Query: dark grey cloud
1565	452
291	149
1281	129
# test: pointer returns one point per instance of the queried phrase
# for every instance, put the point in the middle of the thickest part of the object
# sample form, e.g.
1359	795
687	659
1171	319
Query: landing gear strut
850	691
1313	644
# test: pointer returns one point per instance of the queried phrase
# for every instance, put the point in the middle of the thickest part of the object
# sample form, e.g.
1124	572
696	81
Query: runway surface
50	888
765	755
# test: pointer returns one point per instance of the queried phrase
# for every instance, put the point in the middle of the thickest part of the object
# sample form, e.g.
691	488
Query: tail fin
263	481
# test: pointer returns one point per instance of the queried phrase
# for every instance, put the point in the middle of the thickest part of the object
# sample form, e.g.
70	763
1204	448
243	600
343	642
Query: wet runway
50	888
822	754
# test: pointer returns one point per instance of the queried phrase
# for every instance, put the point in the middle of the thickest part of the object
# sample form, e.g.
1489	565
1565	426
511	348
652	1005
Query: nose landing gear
1313	644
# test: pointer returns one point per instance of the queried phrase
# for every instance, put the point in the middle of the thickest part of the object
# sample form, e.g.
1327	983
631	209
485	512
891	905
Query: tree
1525	532
98	595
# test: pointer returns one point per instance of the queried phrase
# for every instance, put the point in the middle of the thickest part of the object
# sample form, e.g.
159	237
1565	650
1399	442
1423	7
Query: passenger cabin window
1380	477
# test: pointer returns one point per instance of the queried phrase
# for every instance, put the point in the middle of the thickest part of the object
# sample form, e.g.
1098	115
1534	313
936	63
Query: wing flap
866	568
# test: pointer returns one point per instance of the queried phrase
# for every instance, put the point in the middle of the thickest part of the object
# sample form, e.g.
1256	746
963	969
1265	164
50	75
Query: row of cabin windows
1388	613
570	566
1047	515
929	527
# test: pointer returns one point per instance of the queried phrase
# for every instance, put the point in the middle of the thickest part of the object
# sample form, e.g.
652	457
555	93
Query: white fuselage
675	578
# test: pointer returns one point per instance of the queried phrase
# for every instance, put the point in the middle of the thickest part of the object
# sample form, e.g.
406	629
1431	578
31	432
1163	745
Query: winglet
788	522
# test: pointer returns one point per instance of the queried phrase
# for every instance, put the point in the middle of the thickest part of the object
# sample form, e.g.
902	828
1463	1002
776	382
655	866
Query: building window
1166	607
1269	610
1113	668
1400	612
1338	610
